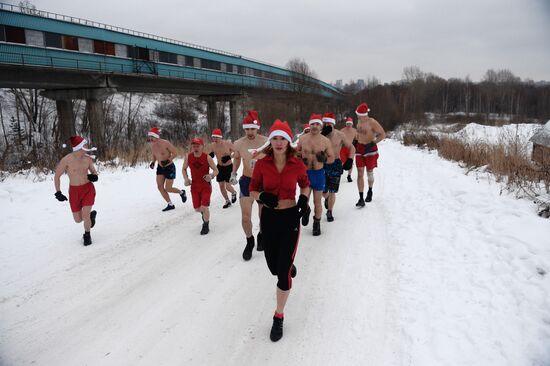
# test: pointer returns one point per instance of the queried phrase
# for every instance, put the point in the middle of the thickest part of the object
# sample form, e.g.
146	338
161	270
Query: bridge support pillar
94	112
66	120
233	120
96	124
216	116
212	114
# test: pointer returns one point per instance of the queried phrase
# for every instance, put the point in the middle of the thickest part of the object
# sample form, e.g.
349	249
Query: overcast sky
346	39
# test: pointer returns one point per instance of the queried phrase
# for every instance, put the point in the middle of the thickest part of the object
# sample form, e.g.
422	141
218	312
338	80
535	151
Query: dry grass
507	161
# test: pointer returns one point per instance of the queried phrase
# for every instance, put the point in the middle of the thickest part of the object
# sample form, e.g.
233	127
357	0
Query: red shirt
282	184
199	168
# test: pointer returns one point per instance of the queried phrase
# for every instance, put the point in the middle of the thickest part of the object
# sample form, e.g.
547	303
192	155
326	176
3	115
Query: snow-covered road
438	270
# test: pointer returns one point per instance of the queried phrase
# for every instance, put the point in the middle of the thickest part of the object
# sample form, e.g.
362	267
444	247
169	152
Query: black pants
280	235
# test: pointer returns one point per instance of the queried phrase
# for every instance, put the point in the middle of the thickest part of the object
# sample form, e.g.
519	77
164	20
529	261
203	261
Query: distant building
541	145
360	84
339	84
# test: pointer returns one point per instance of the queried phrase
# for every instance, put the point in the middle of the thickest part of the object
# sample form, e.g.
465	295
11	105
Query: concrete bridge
73	58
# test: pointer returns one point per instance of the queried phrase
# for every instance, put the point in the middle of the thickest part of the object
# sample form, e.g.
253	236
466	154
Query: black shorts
224	173
332	175
168	171
280	234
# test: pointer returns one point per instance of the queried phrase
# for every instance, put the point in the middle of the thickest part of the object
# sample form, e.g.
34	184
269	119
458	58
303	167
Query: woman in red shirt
274	183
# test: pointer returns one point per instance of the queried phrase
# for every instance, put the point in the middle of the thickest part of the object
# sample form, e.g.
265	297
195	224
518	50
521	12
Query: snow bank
440	269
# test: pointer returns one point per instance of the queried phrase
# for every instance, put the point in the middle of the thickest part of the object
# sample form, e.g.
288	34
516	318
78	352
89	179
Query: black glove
60	196
152	165
354	143
348	164
164	163
92	177
321	156
211	154
269	199
302	205
327	129
226	158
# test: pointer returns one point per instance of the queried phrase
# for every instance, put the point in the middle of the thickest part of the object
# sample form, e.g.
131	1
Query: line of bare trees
499	93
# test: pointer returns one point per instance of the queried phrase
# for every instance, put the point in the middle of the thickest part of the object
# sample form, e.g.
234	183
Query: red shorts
344	154
80	196
370	161
201	195
366	155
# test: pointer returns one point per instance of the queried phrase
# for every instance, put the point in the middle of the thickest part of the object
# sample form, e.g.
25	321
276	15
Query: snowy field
440	269
476	133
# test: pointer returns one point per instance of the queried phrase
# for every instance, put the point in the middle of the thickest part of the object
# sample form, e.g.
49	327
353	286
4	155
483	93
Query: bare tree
303	86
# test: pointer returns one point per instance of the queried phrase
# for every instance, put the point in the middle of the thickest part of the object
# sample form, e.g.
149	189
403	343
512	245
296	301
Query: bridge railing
127	67
66	18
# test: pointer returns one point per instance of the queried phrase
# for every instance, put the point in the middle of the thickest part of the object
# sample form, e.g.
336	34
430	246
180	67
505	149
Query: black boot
93	214
293	271
169	207
233	197
305	217
227	204
260	246
276	329
87	238
369	195
349	179
316	226
183	196
247	253
330	218
205	228
361	202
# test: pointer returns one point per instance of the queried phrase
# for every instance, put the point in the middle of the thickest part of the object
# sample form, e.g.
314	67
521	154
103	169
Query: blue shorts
244	185
316	179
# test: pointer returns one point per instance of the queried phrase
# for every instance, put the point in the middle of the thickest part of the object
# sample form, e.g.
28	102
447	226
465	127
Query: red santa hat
78	142
278	128
315	118
329	118
197	141
154	132
349	121
217	133
362	109
251	120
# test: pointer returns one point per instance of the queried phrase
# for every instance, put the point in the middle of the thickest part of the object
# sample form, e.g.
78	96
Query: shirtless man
334	171
164	152
251	140
351	134
222	150
81	189
315	150
369	133
201	189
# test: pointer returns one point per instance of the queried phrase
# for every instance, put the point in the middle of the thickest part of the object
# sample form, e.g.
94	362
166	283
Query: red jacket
266	178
